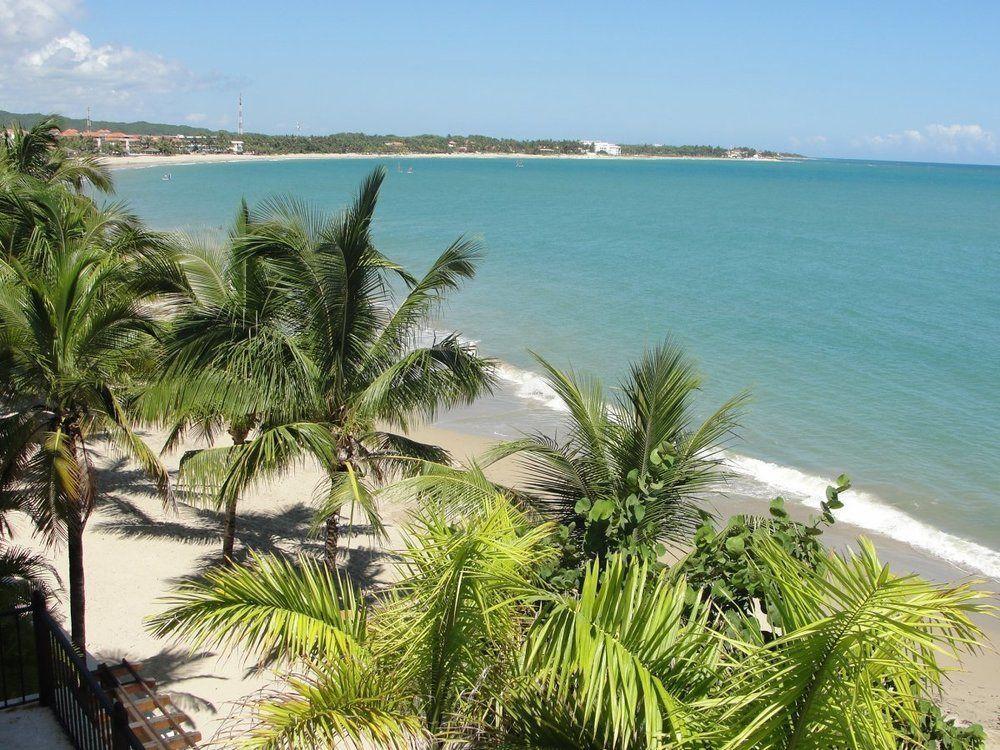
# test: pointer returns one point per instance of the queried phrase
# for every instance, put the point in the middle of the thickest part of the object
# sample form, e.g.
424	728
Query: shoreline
137	162
528	404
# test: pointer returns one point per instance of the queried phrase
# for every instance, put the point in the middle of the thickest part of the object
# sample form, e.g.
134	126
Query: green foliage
297	331
725	562
422	660
78	337
470	649
29	120
363	143
938	733
36	156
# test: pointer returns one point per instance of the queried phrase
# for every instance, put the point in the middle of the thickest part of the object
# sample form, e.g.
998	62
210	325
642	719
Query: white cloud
195	117
50	65
33	20
950	140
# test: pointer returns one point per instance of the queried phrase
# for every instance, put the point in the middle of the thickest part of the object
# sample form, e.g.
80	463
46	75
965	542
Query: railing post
43	647
120	732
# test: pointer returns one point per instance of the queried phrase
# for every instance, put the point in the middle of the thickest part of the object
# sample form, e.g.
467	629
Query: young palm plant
339	361
76	337
633	465
857	652
423	664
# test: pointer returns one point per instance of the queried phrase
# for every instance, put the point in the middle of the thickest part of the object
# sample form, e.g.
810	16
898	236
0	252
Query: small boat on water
409	171
167	177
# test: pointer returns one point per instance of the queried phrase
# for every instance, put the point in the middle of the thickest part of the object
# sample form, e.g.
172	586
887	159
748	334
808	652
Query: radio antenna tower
239	118
89	126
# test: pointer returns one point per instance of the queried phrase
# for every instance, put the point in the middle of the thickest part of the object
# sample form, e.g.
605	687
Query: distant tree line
355	143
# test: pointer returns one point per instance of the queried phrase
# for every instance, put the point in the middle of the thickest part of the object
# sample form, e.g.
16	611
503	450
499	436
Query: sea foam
531	386
865	510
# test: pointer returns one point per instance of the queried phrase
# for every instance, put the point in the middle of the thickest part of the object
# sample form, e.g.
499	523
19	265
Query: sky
890	80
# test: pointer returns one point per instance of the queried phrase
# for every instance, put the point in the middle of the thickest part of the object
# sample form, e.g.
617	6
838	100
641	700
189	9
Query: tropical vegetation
77	338
471	647
633	468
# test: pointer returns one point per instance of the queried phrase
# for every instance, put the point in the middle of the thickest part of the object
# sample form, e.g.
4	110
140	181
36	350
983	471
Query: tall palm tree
36	152
469	650
77	335
321	352
634	465
221	280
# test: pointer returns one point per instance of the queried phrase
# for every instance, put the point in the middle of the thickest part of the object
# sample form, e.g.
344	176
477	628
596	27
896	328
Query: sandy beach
157	160
136	551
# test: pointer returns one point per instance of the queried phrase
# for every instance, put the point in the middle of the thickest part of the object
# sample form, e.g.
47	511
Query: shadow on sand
170	667
284	532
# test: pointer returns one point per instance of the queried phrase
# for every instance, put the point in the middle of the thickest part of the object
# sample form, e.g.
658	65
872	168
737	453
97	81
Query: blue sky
910	80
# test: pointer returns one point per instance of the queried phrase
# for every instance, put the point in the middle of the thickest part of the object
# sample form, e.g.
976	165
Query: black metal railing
49	665
66	685
18	668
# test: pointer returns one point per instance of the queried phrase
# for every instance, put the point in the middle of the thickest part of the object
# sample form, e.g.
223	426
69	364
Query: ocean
858	301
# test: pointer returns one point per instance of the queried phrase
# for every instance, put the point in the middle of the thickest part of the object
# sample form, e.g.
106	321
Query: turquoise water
858	301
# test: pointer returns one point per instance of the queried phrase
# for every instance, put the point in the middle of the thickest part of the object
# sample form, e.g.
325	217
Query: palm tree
22	571
221	280
631	470
318	350
470	650
36	153
76	337
415	668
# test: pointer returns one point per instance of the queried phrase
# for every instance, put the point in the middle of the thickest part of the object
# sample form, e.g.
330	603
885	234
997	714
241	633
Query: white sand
135	551
161	160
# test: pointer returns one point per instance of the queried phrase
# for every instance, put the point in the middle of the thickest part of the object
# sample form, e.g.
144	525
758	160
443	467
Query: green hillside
141	126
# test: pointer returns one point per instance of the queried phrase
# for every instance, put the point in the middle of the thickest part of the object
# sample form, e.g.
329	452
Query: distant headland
143	139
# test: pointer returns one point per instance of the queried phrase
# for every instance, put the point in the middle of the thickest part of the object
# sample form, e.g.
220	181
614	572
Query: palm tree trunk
332	539
229	531
77	594
238	431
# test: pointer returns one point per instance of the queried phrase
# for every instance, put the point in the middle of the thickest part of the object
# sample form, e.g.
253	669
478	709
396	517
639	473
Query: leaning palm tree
633	466
76	337
332	361
36	152
470	650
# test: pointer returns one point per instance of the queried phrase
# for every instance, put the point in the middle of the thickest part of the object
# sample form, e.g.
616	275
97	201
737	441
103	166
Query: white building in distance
603	147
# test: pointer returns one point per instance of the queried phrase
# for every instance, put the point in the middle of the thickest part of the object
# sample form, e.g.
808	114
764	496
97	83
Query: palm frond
270	607
345	704
859	646
625	652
